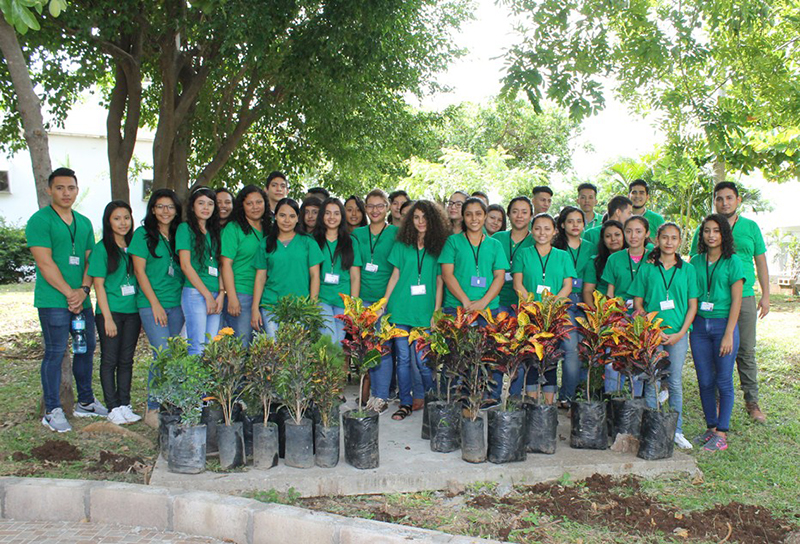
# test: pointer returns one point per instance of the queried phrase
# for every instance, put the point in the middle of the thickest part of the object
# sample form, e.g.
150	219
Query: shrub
16	261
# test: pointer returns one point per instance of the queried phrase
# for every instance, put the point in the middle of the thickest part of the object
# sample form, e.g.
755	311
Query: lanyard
710	277
328	247
73	230
576	257
371	245
126	259
638	265
513	251
543	263
661	271
474	253
169	247
420	260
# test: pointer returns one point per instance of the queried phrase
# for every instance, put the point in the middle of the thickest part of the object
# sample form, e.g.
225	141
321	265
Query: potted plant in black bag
328	382
261	367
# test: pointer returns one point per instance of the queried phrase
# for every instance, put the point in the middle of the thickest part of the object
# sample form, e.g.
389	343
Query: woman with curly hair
413	293
715	331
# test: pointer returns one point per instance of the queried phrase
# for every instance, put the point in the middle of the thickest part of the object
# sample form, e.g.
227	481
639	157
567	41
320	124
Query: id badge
74	260
331	279
213	271
577	283
477	281
509	277
128	290
418	290
371	267
629	303
170	271
707	306
542	288
667	304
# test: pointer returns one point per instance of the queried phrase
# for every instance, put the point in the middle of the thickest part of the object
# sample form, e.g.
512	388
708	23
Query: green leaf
56	7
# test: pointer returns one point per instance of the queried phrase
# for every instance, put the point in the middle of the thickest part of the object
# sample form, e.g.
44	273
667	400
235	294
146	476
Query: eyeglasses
455	203
378	207
167	207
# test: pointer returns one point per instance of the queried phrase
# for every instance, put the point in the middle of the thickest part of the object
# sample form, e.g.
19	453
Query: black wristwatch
86	289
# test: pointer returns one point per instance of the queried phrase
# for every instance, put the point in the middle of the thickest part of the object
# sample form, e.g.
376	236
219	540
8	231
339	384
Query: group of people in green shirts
231	259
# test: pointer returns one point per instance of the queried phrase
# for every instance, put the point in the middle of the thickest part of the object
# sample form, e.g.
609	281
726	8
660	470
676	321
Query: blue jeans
158	335
714	373
55	332
572	371
270	325
615	381
332	327
677	356
409	361
199	323
240	323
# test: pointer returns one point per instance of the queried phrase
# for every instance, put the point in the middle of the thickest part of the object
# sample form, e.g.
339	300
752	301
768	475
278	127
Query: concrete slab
407	465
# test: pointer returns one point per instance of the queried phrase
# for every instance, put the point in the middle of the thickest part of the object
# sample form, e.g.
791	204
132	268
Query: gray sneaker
94	408
55	420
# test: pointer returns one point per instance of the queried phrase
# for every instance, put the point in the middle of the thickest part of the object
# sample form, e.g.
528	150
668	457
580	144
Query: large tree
720	75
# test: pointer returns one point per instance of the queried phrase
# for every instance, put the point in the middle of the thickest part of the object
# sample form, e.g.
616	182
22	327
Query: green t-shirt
579	258
329	270
651	284
287	267
549	271
208	270
163	270
375	269
592	236
655	220
240	248
715	281
416	267
590	275
509	297
620	271
459	252
120	285
68	244
749	243
596	222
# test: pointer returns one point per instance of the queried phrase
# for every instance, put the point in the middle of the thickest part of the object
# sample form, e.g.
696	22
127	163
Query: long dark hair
112	249
344	245
469	201
645	223
212	224
310	202
240	217
498	208
655	255
561	240
603	253
150	222
361	207
436	233
272	238
726	233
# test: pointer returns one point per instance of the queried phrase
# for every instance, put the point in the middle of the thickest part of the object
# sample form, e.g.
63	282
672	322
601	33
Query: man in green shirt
587	200
639	193
542	199
751	249
619	209
61	241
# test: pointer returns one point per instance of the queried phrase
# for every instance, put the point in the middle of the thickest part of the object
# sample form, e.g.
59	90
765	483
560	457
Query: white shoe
117	416
681	442
129	414
55	420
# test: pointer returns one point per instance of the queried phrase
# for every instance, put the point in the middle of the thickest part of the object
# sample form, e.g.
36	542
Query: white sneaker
55	420
130	416
681	442
93	409
117	416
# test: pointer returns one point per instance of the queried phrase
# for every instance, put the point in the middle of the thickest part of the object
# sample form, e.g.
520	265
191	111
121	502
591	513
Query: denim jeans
270	325
55	332
615	381
714	373
332	327
409	360
158	335
116	357
572	371
199	323
677	356
240	323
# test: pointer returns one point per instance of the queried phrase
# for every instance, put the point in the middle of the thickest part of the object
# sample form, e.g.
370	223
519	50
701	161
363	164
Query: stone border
233	519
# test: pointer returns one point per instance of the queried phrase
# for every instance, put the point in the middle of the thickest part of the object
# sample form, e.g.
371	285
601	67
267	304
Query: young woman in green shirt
667	285
198	244
715	332
414	293
375	242
158	273
286	264
612	240
520	212
241	239
117	317
340	268
543	268
623	267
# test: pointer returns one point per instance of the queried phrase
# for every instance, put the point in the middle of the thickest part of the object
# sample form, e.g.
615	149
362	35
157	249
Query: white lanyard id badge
707	306
331	279
542	288
417	290
371	267
509	277
74	260
213	271
127	290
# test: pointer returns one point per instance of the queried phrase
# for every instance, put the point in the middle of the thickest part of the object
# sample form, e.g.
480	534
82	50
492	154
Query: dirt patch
56	451
115	462
620	505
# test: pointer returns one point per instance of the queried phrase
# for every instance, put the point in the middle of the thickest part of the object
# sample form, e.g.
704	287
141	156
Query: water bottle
78	330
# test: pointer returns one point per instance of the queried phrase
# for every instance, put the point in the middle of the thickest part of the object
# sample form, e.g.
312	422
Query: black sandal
402	413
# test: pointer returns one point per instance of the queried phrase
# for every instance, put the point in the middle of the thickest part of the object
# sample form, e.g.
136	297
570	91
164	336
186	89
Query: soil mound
56	451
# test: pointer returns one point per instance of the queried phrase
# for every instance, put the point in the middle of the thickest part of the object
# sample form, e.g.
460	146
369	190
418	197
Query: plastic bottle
78	330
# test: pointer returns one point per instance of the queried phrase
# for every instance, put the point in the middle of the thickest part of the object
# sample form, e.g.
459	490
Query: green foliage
16	261
301	311
329	379
293	380
262	364
272	495
180	381
225	355
788	246
19	14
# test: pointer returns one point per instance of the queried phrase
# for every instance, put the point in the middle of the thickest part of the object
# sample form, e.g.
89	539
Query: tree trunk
30	109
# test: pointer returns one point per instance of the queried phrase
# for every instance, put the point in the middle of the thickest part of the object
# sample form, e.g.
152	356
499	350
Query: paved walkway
65	532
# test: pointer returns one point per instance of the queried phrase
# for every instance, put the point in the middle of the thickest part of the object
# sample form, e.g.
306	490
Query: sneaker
377	404
94	408
717	443
705	437
129	414
117	416
681	442
55	420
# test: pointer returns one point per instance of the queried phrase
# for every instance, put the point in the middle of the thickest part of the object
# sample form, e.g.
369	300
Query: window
5	186
147	188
